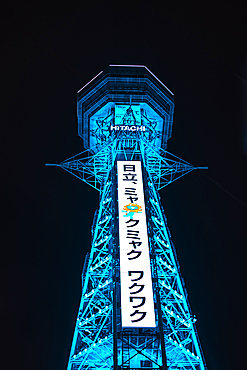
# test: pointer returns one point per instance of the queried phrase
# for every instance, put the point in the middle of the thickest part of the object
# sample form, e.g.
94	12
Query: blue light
99	335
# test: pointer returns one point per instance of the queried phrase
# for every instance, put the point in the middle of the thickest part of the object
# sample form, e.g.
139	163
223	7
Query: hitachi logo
127	128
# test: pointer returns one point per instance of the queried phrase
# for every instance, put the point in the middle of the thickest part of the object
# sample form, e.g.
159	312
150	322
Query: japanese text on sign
137	305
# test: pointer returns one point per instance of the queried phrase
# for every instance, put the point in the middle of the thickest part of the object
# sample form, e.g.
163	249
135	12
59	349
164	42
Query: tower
134	312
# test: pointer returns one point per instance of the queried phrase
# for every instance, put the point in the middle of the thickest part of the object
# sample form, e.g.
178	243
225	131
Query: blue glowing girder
125	114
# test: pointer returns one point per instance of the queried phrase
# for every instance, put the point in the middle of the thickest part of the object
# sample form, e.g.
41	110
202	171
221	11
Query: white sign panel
137	305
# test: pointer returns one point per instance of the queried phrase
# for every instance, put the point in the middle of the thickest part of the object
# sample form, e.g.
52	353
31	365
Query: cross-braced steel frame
99	340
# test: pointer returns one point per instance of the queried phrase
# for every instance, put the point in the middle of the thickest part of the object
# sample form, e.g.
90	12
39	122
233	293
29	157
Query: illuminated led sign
137	305
127	128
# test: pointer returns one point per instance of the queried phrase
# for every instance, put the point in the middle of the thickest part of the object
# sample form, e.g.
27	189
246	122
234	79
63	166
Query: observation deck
124	99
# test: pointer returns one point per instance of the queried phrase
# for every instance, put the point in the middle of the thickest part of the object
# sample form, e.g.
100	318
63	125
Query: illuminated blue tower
134	311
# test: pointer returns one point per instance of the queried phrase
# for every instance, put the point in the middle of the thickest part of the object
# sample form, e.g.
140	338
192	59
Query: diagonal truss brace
163	166
92	169
183	347
92	346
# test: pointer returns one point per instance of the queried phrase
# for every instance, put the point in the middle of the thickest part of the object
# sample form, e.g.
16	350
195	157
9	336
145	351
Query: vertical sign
137	305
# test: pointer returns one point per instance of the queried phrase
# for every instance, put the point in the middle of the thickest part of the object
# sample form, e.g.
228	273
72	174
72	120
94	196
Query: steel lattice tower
134	311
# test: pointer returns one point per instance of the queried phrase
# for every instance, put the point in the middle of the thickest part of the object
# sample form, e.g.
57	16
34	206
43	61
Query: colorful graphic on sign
130	209
137	305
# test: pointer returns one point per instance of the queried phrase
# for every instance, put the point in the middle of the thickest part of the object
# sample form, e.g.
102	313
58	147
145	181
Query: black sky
49	51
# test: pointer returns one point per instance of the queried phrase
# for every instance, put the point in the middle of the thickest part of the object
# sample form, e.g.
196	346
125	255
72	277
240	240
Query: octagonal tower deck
104	101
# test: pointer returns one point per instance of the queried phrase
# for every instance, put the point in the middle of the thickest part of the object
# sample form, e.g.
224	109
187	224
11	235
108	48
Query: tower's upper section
124	102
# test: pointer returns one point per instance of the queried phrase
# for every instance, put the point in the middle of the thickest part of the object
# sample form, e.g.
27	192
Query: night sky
49	51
